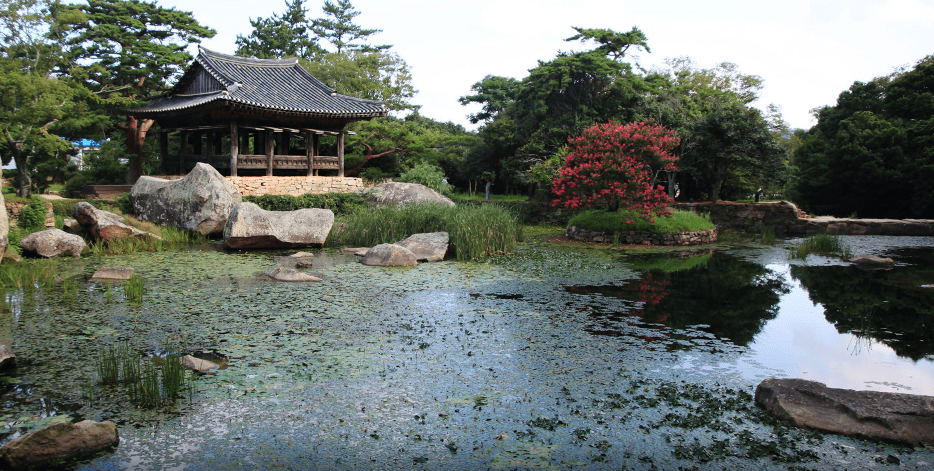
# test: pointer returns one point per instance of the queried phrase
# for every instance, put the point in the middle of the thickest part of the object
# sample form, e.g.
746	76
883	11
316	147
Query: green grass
481	196
475	230
135	289
820	244
620	221
172	238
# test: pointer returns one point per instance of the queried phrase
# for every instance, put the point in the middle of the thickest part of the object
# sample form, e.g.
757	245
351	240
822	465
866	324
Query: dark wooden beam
270	144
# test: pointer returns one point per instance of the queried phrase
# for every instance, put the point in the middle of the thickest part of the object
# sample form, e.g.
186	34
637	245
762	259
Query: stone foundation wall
647	238
784	218
295	186
778	216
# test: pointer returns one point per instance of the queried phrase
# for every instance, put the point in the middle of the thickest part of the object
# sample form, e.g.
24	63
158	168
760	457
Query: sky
807	52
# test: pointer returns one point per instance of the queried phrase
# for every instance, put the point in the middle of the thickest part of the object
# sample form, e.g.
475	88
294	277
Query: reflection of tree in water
734	297
888	306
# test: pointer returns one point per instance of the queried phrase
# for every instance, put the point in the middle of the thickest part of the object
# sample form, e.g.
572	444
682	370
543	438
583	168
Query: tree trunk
135	137
25	183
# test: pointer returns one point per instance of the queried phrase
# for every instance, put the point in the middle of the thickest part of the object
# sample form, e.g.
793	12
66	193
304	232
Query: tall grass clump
135	289
171	238
29	274
149	382
475	231
601	220
820	244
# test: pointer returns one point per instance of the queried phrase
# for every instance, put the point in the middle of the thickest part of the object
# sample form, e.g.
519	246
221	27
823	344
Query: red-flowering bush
612	166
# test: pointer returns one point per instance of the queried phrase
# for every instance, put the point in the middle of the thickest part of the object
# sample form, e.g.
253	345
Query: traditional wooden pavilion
253	107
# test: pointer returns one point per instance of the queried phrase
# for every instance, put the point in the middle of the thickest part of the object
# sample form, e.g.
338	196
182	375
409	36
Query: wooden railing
254	162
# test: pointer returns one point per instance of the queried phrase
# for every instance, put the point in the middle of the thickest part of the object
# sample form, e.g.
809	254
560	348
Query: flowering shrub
612	166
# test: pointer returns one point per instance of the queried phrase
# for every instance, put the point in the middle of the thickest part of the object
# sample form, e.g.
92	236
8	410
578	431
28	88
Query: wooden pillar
182	151
310	152
244	143
234	148
270	145
340	154
259	142
284	149
164	151
316	146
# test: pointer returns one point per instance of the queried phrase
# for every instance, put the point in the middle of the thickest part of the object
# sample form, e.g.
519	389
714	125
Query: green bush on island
600	220
475	231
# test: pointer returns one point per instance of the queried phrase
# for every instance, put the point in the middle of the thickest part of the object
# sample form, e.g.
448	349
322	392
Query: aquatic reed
475	231
820	244
135	290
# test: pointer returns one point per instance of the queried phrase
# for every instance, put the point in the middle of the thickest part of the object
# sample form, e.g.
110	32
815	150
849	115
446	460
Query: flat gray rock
201	201
429	247
404	194
251	227
873	263
302	255
389	255
58	441
291	275
7	358
198	365
112	274
52	243
890	417
358	251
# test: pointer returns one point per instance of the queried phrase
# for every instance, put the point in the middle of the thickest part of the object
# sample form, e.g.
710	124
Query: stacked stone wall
295	186
646	238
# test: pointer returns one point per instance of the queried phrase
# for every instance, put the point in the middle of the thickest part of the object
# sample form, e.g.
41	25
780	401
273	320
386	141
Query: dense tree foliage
279	36
612	166
872	154
134	49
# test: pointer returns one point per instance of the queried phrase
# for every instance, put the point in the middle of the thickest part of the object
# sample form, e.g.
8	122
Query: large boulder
58	441
251	227
890	417
430	247
869	262
201	201
389	255
52	243
403	194
4	227
104	224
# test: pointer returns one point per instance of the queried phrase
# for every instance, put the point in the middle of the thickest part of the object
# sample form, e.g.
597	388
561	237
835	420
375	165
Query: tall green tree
338	28
134	50
872	153
285	35
373	75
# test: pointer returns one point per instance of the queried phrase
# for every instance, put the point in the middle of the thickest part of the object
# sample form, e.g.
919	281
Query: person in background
488	189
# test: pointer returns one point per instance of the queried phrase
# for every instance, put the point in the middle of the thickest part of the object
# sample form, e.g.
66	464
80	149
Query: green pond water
547	358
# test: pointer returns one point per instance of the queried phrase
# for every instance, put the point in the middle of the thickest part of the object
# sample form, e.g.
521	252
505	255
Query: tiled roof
273	84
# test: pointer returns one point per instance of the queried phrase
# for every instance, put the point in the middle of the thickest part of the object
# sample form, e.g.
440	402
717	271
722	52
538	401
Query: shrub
475	231
612	166
428	175
33	215
619	221
820	244
339	203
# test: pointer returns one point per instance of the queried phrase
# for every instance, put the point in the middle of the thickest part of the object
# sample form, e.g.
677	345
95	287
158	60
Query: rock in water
7	358
198	365
251	227
430	247
52	243
4	227
112	274
58	441
104	224
291	275
868	262
890	417
201	201
403	194
389	255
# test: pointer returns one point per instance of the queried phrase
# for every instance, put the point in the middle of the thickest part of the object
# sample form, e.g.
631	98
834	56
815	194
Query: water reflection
888	306
731	297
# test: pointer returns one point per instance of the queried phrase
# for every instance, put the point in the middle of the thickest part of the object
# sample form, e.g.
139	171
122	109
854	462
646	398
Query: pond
553	357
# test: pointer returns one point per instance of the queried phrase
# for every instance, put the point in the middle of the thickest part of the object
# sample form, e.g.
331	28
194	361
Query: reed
29	274
135	289
475	230
108	364
820	244
150	382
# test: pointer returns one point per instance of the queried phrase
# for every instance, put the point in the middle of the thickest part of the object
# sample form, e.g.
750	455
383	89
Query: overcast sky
806	51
